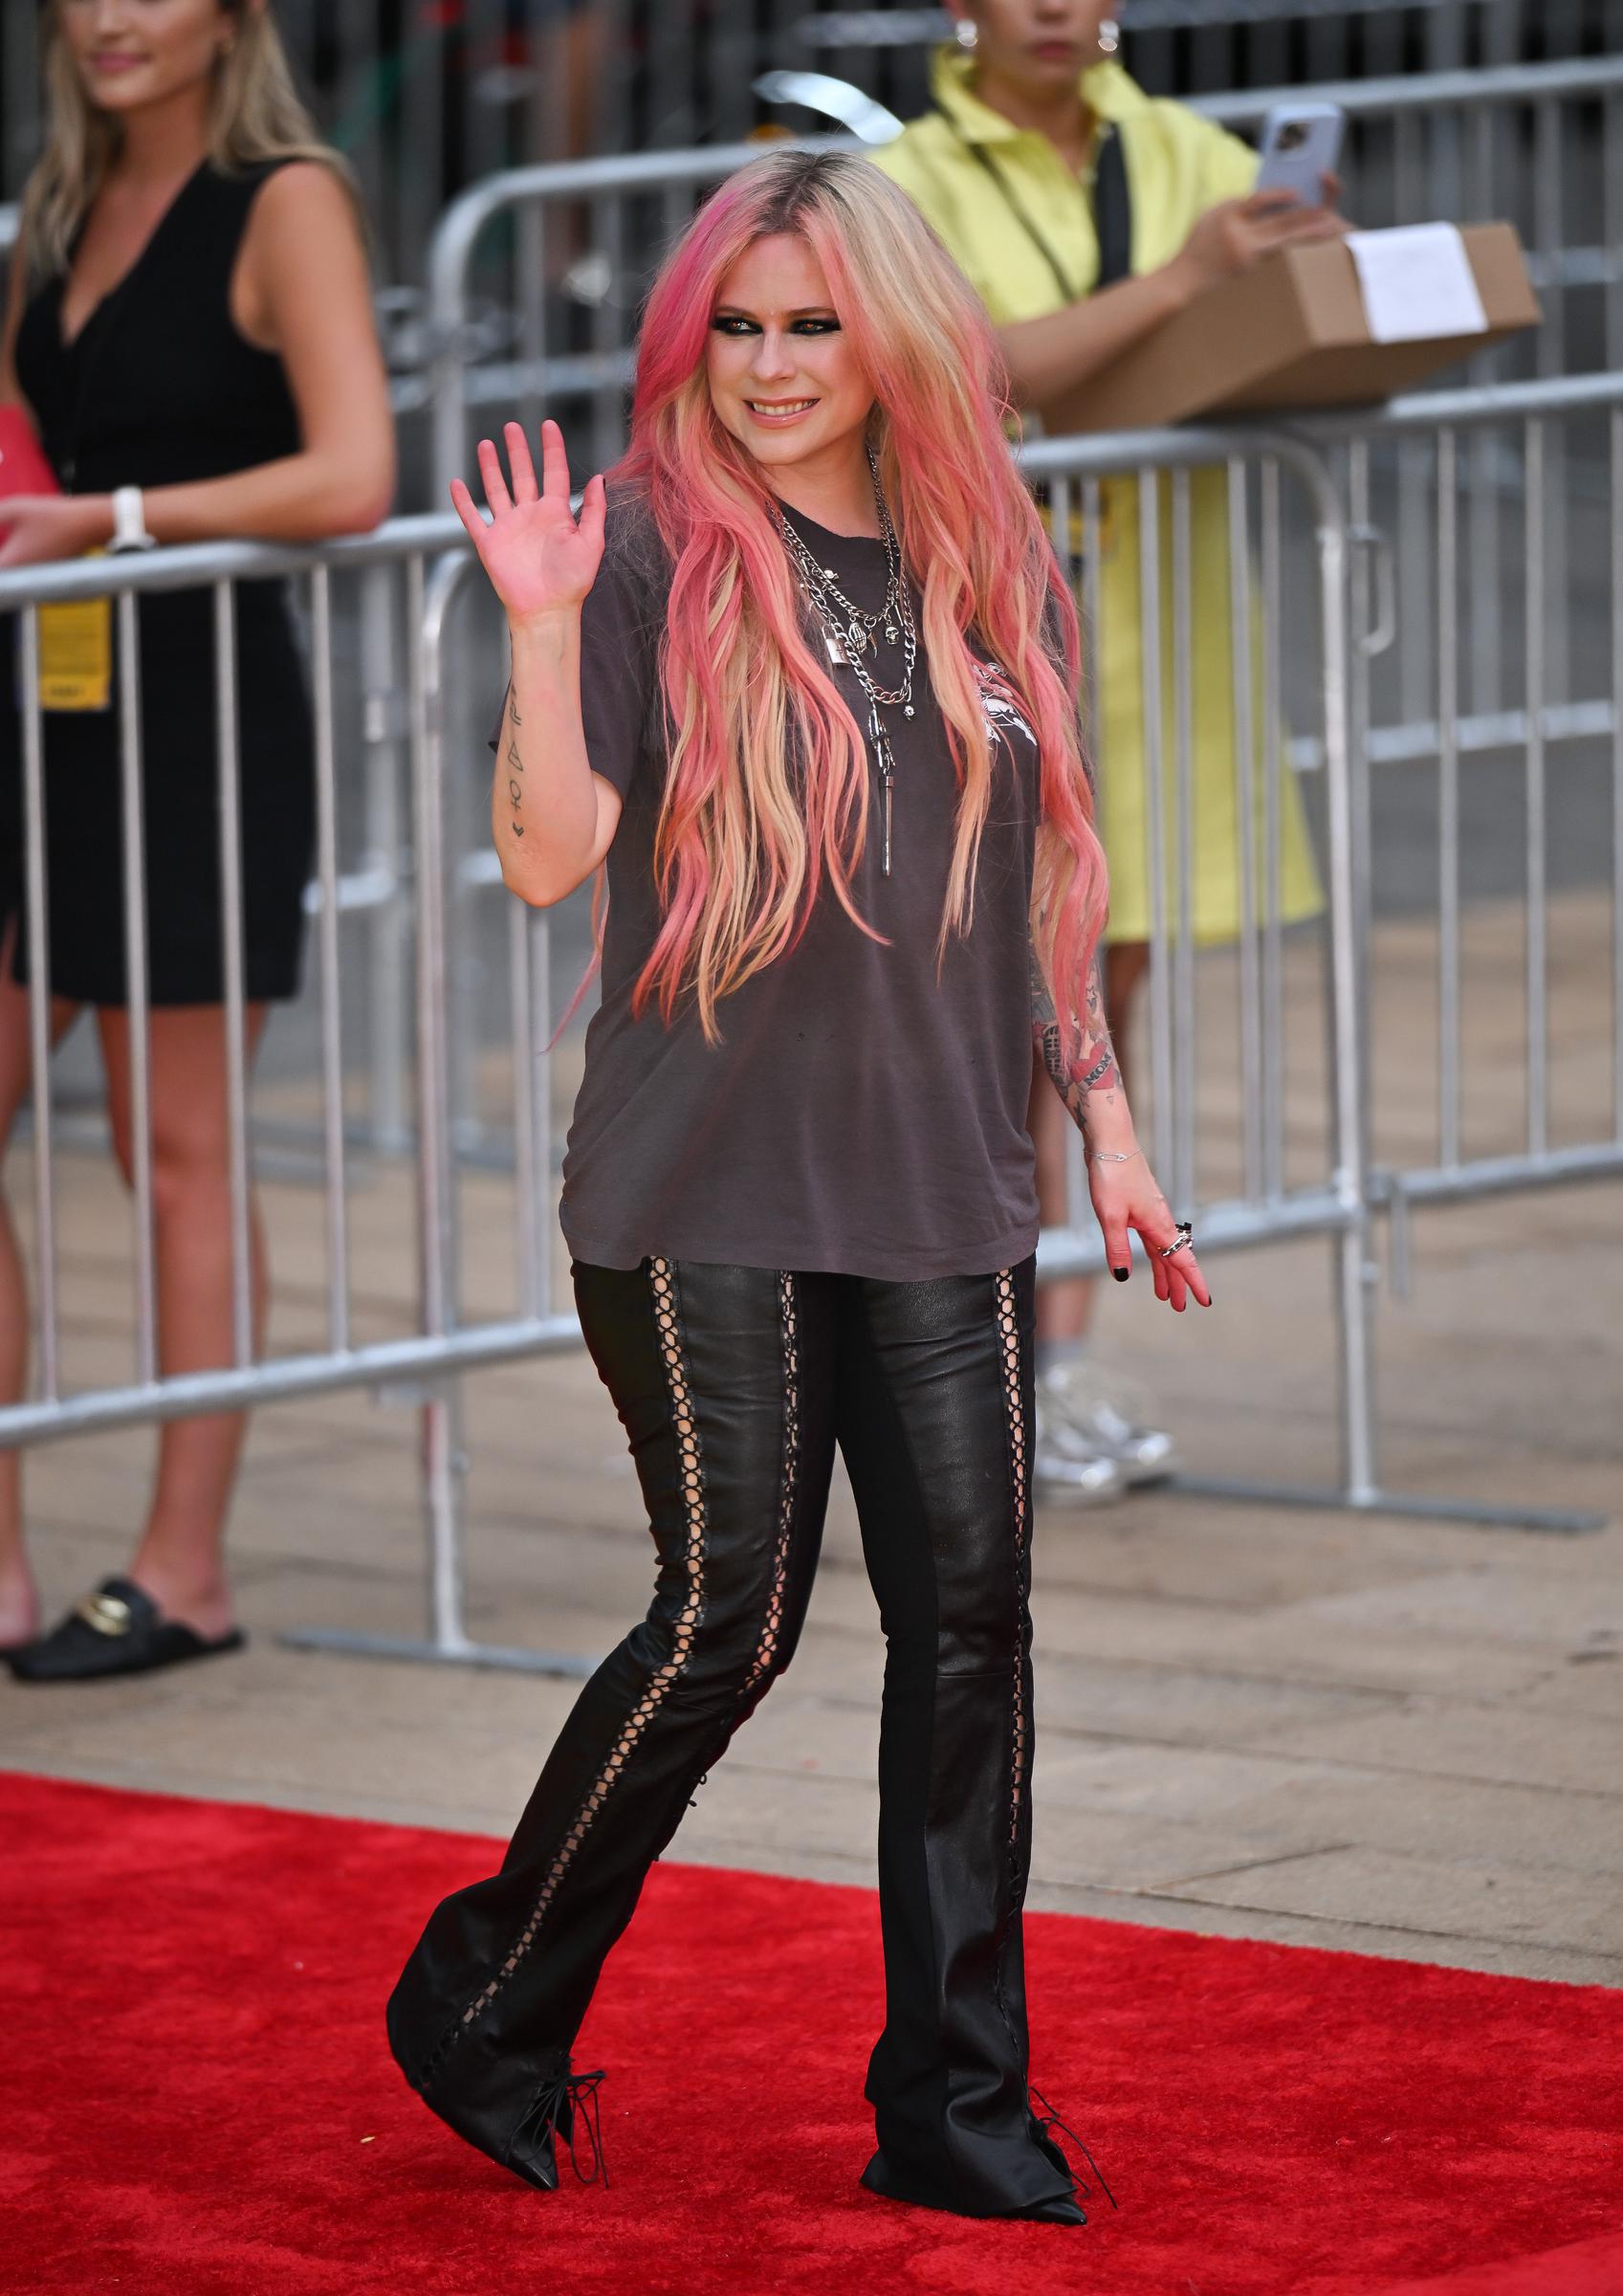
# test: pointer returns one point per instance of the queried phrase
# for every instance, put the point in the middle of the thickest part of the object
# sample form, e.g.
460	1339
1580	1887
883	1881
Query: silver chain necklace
852	630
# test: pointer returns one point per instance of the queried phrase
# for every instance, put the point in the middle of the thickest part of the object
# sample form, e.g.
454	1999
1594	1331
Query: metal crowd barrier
1530	700
420	560
1260	1202
1320	667
1536	143
424	101
1260	1149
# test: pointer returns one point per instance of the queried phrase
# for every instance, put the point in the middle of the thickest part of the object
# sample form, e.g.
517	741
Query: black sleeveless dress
159	388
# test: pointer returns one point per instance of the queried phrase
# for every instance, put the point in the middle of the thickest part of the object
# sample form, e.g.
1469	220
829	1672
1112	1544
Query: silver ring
1180	1242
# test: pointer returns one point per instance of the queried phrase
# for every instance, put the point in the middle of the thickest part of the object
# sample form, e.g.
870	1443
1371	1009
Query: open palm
542	560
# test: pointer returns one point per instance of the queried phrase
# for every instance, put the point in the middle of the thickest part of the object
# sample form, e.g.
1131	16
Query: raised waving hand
552	818
542	560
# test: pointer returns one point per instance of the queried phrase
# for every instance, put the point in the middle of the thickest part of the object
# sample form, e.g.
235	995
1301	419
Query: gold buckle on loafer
108	1614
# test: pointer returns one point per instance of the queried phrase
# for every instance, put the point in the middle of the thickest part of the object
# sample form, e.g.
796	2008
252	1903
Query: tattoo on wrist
516	766
1092	1080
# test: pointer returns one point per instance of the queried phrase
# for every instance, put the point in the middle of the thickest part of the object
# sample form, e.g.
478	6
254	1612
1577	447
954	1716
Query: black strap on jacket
1113	210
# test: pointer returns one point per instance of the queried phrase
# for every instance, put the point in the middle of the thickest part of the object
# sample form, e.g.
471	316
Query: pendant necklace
852	630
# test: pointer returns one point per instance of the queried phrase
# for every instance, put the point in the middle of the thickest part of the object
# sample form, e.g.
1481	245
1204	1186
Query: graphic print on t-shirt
1000	702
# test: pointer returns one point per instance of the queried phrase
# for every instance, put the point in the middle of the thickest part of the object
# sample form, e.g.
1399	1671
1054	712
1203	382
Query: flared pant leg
723	1379
934	1407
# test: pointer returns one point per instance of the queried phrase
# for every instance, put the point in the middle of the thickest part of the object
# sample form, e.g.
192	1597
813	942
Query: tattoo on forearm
1091	1082
516	773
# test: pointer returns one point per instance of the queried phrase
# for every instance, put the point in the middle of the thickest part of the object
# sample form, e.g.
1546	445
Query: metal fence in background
1192	48
383	590
1262	1093
1486	708
427	97
1542	147
532	279
1484	726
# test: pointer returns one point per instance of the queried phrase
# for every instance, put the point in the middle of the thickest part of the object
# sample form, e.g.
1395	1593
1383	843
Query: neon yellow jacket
1179	164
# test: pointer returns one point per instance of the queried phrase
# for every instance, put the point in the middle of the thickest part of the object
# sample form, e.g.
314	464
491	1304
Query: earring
965	33
1109	37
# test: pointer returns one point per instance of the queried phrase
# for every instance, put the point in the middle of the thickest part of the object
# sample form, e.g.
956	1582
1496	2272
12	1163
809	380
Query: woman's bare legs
180	1560
19	1604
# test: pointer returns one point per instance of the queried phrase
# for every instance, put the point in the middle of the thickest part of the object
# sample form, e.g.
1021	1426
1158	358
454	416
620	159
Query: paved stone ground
1384	1733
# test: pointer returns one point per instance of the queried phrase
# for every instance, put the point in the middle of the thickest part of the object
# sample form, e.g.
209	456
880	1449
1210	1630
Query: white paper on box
1417	283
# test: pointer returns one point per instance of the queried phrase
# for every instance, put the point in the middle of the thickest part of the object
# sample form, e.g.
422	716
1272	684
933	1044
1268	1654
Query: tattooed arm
1091	1085
1125	1200
551	816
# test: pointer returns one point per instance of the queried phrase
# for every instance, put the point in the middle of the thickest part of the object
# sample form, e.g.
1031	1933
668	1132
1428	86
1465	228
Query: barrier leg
386	1130
447	1642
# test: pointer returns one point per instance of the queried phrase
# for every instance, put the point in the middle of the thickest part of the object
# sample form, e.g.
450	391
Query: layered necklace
854	634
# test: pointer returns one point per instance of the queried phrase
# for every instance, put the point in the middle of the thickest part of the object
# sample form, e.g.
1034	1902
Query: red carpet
198	2102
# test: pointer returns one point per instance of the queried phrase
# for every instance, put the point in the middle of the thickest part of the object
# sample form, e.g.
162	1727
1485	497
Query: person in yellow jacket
1087	213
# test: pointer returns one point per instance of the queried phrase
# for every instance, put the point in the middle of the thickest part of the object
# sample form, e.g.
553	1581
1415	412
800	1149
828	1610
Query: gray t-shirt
861	1117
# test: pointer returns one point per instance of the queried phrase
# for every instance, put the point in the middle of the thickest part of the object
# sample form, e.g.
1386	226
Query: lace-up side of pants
1009	1356
662	1280
772	1631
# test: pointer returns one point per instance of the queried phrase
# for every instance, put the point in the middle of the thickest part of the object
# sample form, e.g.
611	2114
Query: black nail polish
1120	1275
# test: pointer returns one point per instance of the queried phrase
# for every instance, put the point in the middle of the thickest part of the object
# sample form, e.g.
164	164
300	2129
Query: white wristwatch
129	520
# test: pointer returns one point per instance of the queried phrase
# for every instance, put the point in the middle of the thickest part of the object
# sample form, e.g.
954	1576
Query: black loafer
116	1630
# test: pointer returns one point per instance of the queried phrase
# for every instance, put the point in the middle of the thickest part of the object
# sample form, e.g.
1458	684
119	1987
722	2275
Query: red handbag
24	468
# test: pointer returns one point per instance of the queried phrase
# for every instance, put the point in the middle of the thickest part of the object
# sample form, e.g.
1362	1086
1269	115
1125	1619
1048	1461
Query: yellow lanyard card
75	652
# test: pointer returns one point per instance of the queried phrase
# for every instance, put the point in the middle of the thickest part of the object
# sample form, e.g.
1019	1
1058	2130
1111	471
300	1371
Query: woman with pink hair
804	673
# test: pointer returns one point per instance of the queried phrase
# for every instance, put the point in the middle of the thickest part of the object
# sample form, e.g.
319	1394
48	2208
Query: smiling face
134	52
782	376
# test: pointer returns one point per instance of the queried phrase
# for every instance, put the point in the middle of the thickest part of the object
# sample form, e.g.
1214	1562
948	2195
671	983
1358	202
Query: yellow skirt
1118	732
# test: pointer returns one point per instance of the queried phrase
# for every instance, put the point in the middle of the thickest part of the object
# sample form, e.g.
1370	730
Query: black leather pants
734	1386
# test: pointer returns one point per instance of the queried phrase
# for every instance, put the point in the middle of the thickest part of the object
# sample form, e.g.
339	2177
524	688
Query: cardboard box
1290	333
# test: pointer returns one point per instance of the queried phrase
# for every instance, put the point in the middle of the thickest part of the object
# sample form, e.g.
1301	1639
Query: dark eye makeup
736	325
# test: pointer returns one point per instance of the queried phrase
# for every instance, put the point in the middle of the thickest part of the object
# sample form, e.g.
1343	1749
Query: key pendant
887	764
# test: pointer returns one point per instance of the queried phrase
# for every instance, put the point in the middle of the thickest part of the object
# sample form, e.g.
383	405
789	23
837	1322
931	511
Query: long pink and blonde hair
766	798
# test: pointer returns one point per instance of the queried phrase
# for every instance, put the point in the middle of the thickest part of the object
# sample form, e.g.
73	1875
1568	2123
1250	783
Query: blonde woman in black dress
189	329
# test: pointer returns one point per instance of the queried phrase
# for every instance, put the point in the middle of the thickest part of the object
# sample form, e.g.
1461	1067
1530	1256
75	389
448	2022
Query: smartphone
1301	144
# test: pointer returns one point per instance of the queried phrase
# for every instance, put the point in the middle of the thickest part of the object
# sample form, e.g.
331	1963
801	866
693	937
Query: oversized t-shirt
862	1115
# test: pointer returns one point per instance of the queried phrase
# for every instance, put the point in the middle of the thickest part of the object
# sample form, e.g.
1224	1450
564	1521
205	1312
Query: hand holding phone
1301	145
